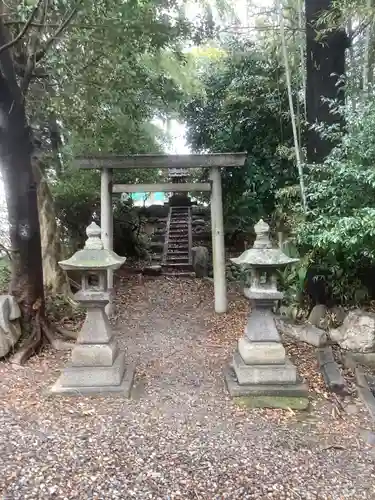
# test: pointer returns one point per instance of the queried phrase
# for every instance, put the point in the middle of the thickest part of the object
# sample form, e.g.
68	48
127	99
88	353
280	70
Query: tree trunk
366	56
21	196
325	69
21	191
297	148
55	279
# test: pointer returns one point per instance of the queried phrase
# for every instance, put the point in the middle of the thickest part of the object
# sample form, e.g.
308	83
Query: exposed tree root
65	332
56	343
31	346
42	333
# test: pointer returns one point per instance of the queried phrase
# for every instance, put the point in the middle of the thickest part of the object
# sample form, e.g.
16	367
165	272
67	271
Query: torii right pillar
218	245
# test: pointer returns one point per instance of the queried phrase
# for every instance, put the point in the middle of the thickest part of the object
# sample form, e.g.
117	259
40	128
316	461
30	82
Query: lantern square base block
285	373
261	353
94	388
279	394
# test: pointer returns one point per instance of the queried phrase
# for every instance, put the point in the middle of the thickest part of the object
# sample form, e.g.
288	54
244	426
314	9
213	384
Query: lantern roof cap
93	257
262	254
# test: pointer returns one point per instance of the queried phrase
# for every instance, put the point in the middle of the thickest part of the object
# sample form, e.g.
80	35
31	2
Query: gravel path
180	436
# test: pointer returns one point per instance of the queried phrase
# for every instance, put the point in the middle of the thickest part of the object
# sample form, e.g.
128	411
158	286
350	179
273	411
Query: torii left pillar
106	223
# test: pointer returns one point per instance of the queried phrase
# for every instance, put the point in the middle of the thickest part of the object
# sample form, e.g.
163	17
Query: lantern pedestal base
267	395
93	380
285	373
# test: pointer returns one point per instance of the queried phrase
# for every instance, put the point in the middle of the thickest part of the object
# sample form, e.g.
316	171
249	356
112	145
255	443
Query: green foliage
339	229
117	70
128	224
243	108
77	197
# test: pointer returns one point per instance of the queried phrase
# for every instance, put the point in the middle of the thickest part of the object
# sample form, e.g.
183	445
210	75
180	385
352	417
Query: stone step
178	253
179	244
178	237
177	260
179	274
178	265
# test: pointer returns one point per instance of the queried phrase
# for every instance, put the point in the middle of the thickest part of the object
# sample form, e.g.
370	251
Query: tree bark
21	191
55	279
325	69
297	148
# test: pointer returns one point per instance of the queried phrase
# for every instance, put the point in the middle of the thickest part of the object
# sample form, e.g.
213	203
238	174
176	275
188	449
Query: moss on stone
282	402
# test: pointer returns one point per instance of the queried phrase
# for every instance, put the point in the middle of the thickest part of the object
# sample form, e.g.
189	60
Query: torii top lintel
161	160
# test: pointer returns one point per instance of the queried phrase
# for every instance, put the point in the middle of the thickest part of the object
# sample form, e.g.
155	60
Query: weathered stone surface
364	391
96	328
123	390
338	315
331	371
261	327
200	259
97	376
264	374
361	358
281	402
260	363
357	333
235	389
258	353
318	315
302	333
94	354
10	329
96	364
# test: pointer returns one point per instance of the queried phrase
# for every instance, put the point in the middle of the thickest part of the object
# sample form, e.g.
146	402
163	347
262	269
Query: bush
338	231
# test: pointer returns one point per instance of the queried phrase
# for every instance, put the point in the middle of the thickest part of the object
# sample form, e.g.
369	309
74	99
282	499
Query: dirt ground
180	436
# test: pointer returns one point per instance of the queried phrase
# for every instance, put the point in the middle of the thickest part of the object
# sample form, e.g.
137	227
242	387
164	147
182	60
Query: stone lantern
97	366
260	366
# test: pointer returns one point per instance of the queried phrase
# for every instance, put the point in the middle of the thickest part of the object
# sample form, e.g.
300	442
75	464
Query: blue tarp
145	196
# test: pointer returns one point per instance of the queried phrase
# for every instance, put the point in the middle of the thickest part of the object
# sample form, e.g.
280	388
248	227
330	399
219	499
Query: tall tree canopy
243	107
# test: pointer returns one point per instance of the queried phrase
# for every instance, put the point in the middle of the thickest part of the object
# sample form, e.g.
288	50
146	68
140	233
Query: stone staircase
176	259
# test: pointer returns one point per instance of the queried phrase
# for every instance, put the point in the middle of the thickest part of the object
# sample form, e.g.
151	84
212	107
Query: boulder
357	333
318	315
10	329
338	315
200	259
307	333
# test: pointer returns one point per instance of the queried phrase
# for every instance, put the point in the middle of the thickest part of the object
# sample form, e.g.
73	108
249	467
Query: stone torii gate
213	161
